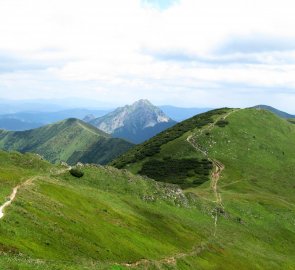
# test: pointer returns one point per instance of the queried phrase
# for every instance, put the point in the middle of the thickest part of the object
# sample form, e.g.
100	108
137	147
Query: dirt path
12	196
172	260
218	167
15	190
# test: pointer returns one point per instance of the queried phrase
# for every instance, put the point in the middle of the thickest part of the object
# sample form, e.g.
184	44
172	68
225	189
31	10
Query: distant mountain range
135	123
275	111
28	120
17	124
34	115
50	105
71	140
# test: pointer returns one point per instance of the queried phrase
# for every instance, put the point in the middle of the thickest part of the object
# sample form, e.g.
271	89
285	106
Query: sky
187	53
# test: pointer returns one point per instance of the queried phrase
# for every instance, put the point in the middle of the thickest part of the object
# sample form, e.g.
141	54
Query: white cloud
103	44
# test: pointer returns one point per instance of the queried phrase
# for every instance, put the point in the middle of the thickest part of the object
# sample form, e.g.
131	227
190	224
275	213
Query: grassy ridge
70	140
257	185
110	217
258	151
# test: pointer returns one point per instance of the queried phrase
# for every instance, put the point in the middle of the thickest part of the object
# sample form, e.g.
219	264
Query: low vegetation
76	173
222	123
185	172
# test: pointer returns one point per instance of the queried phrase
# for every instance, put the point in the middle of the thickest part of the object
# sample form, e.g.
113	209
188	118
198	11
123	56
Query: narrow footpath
218	167
12	197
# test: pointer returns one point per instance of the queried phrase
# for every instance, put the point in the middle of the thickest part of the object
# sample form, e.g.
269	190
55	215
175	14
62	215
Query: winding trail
218	167
215	176
172	260
12	196
15	190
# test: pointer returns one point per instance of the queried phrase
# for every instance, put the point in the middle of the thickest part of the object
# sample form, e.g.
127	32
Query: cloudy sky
183	52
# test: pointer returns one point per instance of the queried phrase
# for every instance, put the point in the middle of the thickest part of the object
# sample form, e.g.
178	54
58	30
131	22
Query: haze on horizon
187	53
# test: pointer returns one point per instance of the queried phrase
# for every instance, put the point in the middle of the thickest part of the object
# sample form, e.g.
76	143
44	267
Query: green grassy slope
108	217
258	151
112	219
256	147
70	140
257	185
253	145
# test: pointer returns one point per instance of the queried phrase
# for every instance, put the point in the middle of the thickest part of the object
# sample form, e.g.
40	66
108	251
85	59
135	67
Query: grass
107	217
111	217
257	186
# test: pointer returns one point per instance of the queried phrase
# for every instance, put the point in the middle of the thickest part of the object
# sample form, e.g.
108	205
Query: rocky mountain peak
142	102
89	117
132	119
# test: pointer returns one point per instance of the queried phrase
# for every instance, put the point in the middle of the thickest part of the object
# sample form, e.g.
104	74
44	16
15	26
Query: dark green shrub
190	174
76	173
222	123
178	170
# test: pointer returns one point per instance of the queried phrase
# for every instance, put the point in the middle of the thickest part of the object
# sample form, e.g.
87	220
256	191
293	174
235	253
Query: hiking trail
218	167
13	196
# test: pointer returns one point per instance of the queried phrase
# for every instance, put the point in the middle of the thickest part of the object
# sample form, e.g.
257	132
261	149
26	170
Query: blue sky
160	4
187	53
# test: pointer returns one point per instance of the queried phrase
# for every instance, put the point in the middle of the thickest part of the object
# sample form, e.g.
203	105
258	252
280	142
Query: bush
178	170
76	173
222	123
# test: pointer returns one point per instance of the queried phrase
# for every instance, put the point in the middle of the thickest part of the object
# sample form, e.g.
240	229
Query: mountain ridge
61	141
26	120
274	110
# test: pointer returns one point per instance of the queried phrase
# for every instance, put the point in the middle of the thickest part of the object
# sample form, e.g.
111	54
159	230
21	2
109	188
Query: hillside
252	156
112	219
135	123
211	132
70	140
